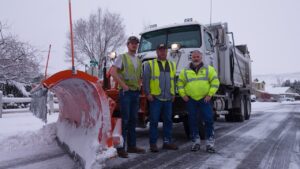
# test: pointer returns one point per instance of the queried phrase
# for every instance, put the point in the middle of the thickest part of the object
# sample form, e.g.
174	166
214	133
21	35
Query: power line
210	11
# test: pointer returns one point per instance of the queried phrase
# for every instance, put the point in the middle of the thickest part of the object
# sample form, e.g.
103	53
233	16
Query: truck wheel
247	108
187	128
240	117
229	117
215	116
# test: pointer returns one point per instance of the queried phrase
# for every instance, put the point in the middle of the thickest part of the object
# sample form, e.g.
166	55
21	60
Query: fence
3	100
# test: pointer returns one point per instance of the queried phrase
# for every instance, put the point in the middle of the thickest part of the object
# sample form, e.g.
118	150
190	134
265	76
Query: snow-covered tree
96	36
18	60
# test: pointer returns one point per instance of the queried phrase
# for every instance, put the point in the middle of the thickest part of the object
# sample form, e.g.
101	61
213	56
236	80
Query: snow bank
84	141
23	129
261	106
264	106
16	123
44	136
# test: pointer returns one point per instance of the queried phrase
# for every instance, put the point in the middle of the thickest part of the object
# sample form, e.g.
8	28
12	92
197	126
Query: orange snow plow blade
83	106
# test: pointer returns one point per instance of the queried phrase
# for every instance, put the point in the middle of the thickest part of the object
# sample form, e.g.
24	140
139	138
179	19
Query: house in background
258	85
267	93
283	93
258	89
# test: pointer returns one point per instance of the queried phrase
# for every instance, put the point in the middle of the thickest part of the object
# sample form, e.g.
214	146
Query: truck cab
189	36
232	63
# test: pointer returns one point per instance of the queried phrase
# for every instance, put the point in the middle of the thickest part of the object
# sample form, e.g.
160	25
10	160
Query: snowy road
25	143
270	139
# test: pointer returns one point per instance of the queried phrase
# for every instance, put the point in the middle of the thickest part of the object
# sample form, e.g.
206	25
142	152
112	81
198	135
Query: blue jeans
200	110
129	105
156	108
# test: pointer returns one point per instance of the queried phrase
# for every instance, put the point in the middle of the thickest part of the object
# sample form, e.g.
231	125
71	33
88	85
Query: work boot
170	146
136	150
195	146
153	148
210	149
122	153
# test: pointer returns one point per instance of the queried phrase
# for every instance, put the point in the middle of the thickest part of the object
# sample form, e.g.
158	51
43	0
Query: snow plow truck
89	111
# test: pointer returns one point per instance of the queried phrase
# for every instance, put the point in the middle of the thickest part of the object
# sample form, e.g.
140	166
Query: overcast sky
271	28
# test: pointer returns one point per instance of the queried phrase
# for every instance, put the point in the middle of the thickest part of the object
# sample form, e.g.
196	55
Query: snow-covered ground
22	124
264	106
17	125
261	106
22	134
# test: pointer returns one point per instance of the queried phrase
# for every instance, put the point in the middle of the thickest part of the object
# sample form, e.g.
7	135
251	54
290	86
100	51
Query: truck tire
247	108
187	129
229	117
237	114
240	117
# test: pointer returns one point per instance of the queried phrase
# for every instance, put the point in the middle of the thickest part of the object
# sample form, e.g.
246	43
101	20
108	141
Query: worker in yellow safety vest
126	70
159	87
196	85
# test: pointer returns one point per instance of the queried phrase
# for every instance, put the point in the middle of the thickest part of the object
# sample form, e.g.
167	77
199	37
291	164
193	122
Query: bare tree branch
101	33
18	60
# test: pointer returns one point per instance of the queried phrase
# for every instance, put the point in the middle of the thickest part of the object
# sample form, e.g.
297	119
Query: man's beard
196	63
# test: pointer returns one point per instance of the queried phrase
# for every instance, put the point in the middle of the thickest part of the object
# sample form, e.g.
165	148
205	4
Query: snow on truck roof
170	26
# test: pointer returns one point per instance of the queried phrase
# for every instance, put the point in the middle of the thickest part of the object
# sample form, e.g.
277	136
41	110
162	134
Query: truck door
209	49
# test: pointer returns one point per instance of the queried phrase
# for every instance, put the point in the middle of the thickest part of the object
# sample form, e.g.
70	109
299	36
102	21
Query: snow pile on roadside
84	141
261	106
16	123
20	87
264	106
44	136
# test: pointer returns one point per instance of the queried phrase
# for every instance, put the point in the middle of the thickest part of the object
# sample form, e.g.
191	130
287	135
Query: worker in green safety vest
126	70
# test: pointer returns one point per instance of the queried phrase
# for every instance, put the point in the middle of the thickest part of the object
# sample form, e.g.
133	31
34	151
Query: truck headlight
112	55
175	46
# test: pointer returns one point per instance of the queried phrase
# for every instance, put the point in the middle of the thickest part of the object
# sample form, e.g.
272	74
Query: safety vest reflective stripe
215	77
125	67
214	86
180	87
185	75
153	77
180	80
194	79
172	66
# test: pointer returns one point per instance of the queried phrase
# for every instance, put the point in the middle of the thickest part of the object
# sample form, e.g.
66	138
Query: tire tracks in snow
183	156
232	151
281	149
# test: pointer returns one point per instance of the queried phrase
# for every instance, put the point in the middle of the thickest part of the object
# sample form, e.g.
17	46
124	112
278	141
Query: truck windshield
186	36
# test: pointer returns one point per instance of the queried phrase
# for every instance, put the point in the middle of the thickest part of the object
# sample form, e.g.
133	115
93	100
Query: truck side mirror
220	37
